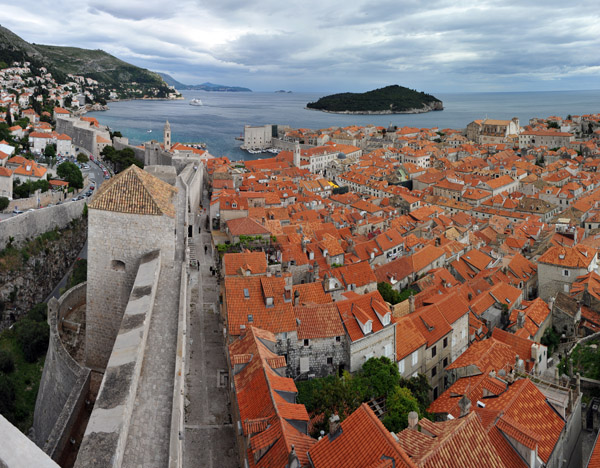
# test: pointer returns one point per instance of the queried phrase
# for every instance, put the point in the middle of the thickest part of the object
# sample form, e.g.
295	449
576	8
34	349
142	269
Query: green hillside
109	71
96	64
389	100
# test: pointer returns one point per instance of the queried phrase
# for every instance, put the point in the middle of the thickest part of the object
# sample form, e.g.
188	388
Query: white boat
195	102
149	131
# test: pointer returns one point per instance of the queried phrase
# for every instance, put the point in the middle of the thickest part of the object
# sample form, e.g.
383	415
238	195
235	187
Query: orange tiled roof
579	256
311	292
246	300
456	443
318	321
239	263
264	414
408	337
246	227
363	441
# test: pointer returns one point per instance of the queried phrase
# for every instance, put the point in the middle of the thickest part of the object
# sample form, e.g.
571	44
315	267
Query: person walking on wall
205	249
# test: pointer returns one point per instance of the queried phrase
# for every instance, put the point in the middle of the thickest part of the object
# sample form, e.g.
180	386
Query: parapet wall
41	199
35	223
193	177
106	434
178	409
64	381
17	451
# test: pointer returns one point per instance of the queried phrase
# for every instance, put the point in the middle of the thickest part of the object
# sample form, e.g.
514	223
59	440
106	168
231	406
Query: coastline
386	112
101	108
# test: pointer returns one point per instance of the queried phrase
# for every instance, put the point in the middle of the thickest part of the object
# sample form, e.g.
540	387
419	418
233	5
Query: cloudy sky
327	46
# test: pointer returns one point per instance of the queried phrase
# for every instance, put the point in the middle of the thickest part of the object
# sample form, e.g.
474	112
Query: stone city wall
106	434
122	143
81	136
36	201
193	176
34	223
63	381
178	411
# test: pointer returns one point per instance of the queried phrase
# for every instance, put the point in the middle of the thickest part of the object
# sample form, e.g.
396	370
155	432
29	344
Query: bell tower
167	136
297	154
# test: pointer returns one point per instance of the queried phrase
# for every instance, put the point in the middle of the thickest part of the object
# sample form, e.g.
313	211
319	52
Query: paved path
149	433
209	435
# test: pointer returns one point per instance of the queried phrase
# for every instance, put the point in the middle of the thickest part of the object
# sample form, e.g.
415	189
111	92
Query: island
393	99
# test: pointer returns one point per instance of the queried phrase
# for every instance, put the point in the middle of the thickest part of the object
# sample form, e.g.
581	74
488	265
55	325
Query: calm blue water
223	115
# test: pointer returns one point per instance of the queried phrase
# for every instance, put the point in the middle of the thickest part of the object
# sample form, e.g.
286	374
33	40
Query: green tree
7	396
33	338
399	403
82	158
71	173
553	124
38	313
7	361
420	388
50	151
550	339
9	120
4	203
380	376
79	274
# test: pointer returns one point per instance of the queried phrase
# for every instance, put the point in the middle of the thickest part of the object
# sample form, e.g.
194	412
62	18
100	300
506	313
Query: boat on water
149	131
195	102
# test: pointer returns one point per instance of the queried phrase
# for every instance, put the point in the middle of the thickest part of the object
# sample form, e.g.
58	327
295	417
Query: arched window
118	265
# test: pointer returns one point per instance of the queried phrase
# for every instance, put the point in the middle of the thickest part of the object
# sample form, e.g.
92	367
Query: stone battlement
106	434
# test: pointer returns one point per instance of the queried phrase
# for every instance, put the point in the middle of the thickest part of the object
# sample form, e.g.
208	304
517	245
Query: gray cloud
440	45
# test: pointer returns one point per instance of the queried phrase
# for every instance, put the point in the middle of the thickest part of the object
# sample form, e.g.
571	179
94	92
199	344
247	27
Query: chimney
465	406
520	320
411	304
293	461
316	271
334	424
413	419
296	298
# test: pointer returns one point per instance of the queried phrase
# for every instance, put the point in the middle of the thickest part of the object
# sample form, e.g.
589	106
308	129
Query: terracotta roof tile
252	310
135	191
239	263
350	449
318	321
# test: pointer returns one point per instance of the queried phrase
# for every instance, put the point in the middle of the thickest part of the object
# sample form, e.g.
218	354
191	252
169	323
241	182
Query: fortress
112	389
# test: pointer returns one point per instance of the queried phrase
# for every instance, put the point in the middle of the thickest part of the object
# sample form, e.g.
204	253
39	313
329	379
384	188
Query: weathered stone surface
40	273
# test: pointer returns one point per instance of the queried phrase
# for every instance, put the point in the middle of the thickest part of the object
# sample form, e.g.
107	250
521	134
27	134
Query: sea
223	115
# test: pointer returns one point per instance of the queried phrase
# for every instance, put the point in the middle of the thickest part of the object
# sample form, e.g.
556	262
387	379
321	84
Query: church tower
297	155
167	136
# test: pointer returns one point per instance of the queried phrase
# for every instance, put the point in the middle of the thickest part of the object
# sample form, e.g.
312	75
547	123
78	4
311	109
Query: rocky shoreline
438	106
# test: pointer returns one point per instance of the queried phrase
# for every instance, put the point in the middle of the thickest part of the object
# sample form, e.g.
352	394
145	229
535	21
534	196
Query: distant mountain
109	71
389	100
204	86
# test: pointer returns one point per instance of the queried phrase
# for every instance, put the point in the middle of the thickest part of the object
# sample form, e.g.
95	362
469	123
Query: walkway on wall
209	439
149	432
